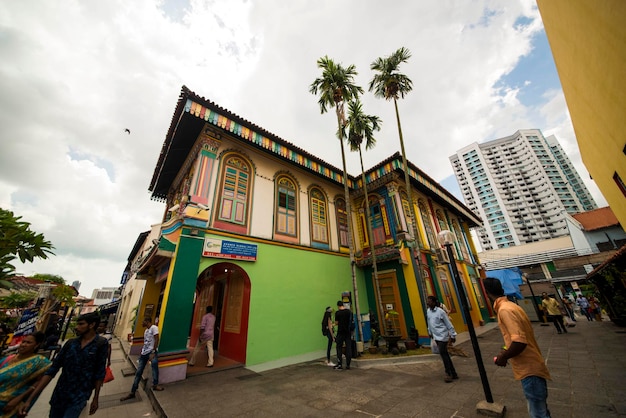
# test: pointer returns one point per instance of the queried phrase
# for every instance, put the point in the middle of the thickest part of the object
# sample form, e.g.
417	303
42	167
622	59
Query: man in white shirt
441	330
149	353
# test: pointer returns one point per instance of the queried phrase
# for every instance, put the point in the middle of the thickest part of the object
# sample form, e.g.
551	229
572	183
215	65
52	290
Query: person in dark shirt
83	360
343	319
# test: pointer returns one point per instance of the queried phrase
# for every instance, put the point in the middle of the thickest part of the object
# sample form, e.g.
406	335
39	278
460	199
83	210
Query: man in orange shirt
521	349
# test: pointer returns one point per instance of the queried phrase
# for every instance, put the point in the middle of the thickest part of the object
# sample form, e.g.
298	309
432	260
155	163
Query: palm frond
361	126
388	82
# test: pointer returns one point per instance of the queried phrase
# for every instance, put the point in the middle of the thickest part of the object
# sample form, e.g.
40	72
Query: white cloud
75	75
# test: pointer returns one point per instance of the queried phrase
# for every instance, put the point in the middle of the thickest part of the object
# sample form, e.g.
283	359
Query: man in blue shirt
441	330
83	360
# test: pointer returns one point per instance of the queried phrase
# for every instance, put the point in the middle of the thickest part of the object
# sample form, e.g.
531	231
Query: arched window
286	206
235	192
428	226
342	221
319	216
441	220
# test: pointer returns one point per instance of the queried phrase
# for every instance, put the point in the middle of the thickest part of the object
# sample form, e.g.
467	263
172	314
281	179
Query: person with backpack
327	331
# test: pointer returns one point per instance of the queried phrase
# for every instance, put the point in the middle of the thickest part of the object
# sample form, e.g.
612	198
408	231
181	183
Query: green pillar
179	301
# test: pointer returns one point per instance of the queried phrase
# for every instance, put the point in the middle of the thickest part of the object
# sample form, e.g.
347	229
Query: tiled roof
597	219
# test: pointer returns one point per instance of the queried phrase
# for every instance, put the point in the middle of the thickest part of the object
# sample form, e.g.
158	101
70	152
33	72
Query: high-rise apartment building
521	185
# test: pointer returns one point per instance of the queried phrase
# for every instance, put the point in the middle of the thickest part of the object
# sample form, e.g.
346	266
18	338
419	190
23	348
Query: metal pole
470	325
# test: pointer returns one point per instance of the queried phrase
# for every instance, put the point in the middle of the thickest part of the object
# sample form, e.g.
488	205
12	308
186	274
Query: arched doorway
226	287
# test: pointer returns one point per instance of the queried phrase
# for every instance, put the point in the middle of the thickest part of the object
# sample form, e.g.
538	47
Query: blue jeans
141	365
67	411
536	393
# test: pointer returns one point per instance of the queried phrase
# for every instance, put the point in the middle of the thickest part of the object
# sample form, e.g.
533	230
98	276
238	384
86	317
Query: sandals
128	397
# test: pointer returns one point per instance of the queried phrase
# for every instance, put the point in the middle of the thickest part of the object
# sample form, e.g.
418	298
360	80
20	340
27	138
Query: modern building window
620	183
286	206
319	216
342	221
235	192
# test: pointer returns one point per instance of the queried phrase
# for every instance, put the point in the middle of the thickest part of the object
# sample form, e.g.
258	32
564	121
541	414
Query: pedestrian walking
343	319
520	347
83	360
207	335
149	354
441	330
553	311
583	303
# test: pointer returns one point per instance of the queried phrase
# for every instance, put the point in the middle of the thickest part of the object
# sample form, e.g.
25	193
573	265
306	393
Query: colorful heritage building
257	228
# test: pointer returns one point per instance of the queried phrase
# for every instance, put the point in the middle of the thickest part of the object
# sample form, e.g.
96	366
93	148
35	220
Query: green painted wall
290	288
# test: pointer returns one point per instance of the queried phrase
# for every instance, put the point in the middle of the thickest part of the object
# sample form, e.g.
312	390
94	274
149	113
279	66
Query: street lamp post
446	238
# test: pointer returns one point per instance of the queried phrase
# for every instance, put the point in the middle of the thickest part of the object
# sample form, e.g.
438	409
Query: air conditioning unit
442	256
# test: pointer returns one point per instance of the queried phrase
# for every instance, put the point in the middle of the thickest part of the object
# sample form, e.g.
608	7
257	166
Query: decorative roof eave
423	182
618	255
192	104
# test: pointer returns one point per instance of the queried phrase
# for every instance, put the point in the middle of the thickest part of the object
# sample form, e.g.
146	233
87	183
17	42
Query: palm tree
389	83
336	86
361	126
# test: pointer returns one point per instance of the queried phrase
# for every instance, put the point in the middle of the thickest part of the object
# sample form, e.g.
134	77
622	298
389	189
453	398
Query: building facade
522	186
258	229
587	42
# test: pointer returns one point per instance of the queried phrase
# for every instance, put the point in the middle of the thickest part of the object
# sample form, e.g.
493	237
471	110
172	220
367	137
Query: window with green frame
319	216
286	207
235	191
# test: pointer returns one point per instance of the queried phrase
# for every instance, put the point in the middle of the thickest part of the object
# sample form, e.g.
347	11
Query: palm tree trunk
416	237
346	192
371	240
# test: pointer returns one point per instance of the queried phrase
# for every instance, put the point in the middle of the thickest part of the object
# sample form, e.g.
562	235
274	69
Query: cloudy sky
75	74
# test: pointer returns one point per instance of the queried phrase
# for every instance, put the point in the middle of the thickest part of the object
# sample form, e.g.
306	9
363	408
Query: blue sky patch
534	74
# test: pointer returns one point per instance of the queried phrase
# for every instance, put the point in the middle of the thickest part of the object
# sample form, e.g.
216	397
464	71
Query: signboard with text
219	248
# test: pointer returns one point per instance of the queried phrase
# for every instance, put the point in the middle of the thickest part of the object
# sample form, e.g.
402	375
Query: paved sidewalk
587	366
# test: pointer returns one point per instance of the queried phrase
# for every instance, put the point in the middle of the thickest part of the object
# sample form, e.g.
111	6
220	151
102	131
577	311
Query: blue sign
233	250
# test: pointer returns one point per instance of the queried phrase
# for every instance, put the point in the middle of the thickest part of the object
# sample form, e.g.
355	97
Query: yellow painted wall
588	42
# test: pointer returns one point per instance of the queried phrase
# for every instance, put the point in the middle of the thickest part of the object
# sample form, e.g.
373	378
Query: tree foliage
64	294
52	278
17	300
17	240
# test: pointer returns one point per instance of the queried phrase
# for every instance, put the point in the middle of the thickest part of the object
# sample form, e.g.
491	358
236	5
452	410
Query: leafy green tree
335	87
18	241
361	127
64	294
52	278
17	300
